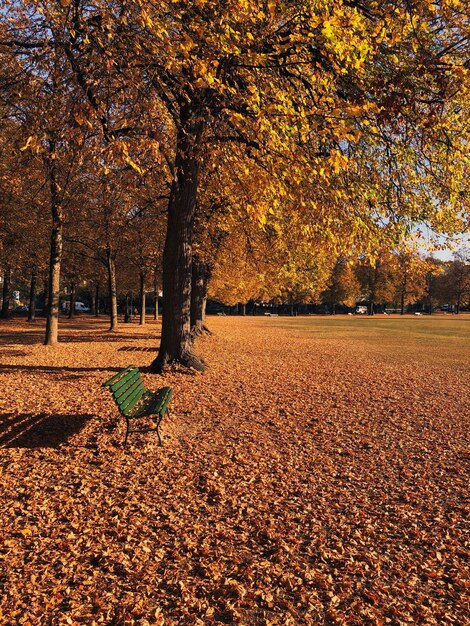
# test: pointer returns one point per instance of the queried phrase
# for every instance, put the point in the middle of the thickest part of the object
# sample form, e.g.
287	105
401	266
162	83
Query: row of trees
199	138
400	280
395	279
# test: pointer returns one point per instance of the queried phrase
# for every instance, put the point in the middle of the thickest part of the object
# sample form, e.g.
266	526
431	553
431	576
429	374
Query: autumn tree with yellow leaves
375	92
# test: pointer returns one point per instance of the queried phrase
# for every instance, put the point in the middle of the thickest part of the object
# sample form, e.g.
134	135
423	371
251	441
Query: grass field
443	337
317	473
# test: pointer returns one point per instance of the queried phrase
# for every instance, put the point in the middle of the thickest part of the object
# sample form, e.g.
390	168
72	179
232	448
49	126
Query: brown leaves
294	485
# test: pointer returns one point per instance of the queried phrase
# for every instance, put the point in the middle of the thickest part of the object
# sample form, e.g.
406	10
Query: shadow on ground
70	332
136	349
40	430
48	369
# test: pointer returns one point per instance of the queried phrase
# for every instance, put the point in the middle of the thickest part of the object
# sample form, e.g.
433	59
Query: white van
80	307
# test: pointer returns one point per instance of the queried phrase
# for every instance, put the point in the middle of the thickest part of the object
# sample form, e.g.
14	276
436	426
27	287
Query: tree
455	281
343	285
409	271
433	294
376	280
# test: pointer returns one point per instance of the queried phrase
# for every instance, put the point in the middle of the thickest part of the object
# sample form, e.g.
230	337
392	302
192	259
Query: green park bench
134	401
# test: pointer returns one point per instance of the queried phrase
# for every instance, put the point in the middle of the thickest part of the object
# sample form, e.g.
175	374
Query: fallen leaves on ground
303	480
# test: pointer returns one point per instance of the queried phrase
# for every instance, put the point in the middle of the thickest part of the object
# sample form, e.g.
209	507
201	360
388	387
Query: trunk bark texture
6	293
52	320
200	278
176	344
142	299
112	290
32	294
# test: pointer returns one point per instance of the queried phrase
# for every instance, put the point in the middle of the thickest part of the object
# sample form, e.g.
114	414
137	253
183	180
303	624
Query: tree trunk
32	295
242	308
96	308
402	303
333	309
72	301
176	344
142	299
52	321
6	295
111	267
200	277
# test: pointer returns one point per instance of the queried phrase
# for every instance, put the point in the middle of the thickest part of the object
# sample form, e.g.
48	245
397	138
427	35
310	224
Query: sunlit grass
444	338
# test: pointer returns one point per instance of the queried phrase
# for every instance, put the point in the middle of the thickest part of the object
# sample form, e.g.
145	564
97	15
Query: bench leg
160	417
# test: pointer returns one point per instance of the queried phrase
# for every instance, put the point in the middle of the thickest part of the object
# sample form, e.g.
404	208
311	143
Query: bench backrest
127	388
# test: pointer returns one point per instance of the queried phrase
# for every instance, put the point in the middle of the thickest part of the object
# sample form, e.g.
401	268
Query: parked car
80	307
20	310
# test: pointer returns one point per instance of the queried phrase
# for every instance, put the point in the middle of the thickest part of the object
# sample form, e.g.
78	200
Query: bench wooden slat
160	403
120	387
122	395
125	380
117	376
130	403
154	404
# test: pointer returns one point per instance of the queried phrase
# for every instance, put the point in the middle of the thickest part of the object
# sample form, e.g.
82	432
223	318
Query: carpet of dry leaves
306	478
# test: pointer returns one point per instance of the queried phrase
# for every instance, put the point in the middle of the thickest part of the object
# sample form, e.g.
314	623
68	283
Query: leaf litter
303	480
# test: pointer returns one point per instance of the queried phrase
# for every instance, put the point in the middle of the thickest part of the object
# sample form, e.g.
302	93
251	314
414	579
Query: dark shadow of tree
39	430
136	349
25	338
49	369
72	331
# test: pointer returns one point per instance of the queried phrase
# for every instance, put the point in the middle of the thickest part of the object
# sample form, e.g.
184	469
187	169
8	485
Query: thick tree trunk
52	321
200	277
32	295
112	291
176	344
6	292
242	308
402	303
142	299
72	301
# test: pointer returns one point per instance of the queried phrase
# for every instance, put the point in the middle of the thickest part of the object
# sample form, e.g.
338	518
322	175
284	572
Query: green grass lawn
444	338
